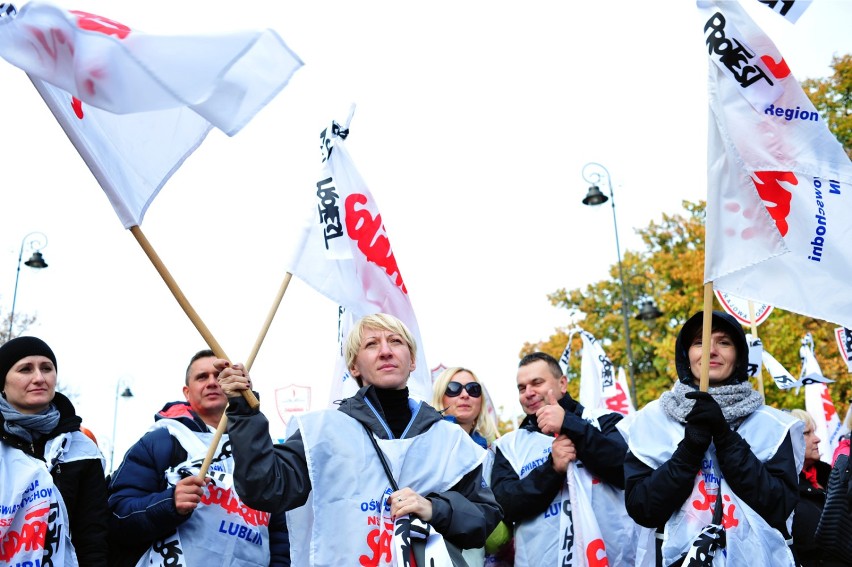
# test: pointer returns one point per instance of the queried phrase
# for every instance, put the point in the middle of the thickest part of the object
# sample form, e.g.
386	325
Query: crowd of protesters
701	476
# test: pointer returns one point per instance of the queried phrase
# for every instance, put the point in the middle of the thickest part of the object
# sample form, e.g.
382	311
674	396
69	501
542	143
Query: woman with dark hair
713	475
52	483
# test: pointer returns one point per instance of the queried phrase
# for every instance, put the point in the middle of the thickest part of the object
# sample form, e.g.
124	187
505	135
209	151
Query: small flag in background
818	401
137	105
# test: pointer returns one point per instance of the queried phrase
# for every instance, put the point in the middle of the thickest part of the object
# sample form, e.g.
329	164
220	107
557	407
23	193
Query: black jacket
601	451
805	522
81	484
142	504
275	478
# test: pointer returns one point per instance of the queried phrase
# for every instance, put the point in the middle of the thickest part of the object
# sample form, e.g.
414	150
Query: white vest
222	530
34	526
350	523
591	529
653	437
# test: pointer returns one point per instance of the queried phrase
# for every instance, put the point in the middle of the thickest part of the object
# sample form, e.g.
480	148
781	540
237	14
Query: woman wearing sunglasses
457	393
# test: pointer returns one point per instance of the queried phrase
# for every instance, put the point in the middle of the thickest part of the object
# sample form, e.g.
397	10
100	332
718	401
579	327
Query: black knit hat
21	347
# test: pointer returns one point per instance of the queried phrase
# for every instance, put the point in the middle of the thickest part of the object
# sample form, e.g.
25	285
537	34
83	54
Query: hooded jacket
81	484
652	496
142	504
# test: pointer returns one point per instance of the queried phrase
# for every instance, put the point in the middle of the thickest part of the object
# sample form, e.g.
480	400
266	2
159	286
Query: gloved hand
708	415
698	438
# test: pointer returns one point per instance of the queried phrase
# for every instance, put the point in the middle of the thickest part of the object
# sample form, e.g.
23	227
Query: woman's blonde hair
483	425
804	416
382	322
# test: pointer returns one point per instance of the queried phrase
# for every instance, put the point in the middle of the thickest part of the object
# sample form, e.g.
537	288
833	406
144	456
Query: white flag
789	9
782	378
137	105
599	388
779	199
818	402
346	255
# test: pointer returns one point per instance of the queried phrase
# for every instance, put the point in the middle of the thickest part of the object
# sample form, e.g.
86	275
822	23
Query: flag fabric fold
345	254
779	197
136	105
599	388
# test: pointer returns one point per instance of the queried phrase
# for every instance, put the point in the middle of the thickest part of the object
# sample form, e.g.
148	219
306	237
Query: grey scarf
738	401
28	426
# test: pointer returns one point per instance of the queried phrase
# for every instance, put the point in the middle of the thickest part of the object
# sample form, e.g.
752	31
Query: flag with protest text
818	402
136	105
599	387
345	254
779	200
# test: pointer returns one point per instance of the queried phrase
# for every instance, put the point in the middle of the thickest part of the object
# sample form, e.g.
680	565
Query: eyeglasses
454	389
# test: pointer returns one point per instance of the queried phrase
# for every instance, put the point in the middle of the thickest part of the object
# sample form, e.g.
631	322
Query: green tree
832	97
670	271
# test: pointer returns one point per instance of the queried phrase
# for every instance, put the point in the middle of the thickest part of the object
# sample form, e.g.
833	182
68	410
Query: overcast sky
473	122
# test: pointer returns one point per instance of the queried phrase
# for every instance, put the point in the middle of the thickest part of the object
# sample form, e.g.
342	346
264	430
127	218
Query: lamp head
36	261
648	311
595	197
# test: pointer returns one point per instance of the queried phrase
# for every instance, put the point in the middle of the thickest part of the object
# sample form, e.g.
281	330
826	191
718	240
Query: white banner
778	202
789	9
844	344
599	387
136	105
818	401
346	255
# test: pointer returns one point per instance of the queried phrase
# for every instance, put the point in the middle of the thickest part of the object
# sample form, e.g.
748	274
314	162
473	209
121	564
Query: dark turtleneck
395	407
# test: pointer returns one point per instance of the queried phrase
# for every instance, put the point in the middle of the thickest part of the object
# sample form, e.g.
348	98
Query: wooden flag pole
706	332
754	334
223	422
184	303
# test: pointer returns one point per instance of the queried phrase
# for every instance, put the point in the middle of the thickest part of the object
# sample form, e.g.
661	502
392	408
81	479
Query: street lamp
596	197
37	243
125	394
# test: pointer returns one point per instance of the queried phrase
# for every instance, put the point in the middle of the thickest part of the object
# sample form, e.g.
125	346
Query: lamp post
595	197
125	394
37	243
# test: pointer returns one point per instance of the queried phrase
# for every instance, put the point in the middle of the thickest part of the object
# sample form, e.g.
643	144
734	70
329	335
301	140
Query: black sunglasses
454	389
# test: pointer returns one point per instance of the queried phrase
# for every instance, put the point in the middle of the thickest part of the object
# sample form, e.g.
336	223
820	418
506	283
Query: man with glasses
560	476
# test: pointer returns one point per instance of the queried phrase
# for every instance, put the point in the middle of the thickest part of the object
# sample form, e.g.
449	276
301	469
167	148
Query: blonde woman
458	393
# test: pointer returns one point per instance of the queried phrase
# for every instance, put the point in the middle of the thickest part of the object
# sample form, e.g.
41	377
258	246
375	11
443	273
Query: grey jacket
275	477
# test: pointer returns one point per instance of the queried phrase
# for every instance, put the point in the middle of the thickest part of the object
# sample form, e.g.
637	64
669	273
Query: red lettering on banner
364	229
827	405
771	192
618	402
708	500
31	536
93	22
228	501
379	542
780	70
728	520
596	554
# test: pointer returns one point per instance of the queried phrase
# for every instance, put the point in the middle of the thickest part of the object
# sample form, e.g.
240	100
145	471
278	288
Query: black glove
708	415
698	438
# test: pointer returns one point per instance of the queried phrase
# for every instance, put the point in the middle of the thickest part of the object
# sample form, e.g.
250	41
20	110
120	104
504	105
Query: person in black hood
713	472
356	481
52	484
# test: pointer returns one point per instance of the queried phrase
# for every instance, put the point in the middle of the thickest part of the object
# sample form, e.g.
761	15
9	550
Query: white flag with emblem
779	199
